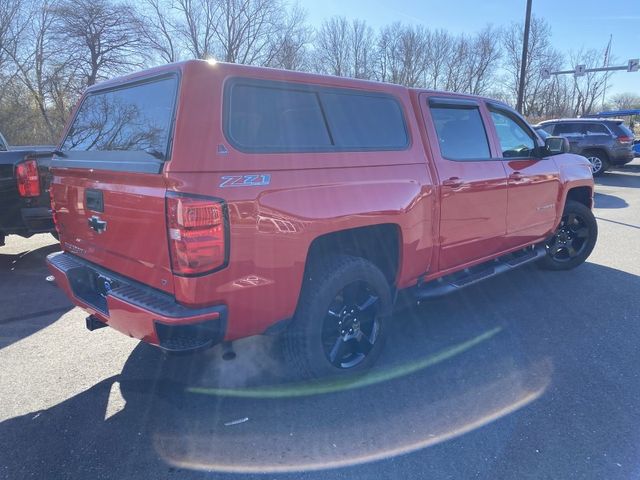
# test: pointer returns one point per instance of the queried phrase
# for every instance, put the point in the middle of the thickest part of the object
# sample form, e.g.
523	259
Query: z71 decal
254	180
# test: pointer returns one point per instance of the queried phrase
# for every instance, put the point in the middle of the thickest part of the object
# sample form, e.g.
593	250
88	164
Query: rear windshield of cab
124	128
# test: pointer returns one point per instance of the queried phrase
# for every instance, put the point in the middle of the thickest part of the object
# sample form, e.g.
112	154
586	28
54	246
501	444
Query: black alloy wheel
351	325
574	239
570	240
342	318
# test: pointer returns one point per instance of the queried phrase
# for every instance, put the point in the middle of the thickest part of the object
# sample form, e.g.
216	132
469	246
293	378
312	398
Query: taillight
625	139
28	178
197	230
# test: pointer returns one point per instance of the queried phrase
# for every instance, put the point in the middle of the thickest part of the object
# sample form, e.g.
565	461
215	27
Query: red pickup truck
204	202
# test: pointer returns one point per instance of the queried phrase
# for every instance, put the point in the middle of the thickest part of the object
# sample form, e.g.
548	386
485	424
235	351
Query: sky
575	24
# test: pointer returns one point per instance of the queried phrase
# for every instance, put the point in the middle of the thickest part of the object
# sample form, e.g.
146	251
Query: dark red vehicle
198	203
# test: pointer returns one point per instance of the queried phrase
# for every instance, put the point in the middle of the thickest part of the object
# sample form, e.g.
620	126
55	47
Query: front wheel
574	239
341	322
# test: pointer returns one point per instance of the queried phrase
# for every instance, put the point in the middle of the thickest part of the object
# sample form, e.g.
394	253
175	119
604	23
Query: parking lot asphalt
532	374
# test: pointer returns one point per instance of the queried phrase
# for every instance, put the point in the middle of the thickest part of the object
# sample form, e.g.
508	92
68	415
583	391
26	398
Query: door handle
453	182
517	176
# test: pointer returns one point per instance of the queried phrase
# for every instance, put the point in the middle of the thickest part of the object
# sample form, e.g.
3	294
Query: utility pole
525	52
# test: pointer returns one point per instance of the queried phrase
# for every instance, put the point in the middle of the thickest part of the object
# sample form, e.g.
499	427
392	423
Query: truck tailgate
116	220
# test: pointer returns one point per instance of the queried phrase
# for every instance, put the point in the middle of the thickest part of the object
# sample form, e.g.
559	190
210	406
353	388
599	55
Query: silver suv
605	143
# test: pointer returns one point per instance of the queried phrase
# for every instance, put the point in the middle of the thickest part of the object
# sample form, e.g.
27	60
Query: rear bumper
25	221
38	219
135	309
621	156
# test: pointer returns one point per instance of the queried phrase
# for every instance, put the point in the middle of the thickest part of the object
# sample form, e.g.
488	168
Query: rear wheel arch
596	151
380	244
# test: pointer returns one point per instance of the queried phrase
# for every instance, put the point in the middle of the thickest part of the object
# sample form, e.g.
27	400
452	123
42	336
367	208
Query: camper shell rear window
124	128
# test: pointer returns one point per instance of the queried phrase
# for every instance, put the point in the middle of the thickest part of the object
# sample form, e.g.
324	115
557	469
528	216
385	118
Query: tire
573	241
599	162
340	325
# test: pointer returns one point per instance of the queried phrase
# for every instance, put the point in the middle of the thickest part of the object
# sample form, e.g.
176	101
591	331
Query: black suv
605	143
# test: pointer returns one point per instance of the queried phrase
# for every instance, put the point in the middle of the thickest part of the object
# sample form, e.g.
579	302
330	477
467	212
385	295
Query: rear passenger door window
596	129
461	133
568	130
515	140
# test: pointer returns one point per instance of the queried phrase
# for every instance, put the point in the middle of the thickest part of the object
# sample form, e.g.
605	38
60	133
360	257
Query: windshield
542	133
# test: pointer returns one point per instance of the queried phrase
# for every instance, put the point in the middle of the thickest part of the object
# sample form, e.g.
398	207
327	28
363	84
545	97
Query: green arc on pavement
308	389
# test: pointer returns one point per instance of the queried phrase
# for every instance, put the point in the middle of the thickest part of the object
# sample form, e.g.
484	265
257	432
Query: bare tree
456	67
158	28
345	48
43	65
403	54
413	54
439	48
590	87
245	28
9	29
332	47
237	31
541	55
196	26
288	48
361	42
557	98
481	64
103	35
626	100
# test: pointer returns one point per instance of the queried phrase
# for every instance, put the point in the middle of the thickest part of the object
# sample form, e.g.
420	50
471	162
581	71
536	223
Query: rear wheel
574	239
599	162
340	324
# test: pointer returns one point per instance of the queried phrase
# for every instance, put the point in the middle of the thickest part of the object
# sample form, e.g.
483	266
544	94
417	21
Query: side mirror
556	145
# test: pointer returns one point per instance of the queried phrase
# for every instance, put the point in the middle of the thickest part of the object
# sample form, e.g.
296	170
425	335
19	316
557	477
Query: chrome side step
469	276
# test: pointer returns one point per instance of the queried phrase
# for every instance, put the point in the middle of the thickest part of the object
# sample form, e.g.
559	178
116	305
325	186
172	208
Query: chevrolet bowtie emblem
96	224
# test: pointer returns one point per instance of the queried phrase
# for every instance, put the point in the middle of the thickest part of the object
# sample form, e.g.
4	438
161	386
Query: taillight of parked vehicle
625	140
198	233
28	178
